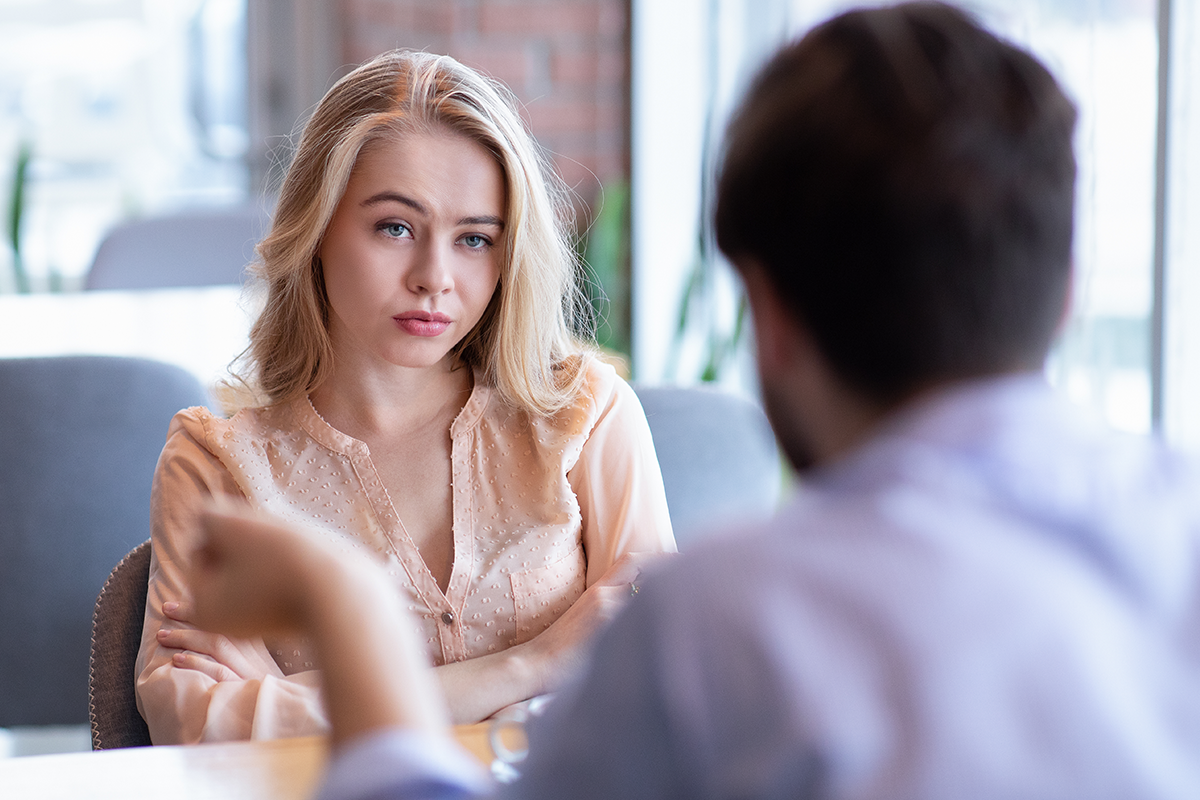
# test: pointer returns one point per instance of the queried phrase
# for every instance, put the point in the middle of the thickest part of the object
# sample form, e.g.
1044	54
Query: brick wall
566	60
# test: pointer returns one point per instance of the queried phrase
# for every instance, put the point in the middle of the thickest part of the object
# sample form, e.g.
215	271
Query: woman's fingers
212	648
198	651
218	672
203	642
178	610
628	568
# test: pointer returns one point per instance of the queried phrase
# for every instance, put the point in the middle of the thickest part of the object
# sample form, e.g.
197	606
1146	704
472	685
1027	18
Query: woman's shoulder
191	423
602	391
595	381
206	428
599	375
597	390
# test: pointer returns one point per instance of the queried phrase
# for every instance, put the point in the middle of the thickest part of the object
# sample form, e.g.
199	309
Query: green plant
604	248
705	304
16	211
699	315
704	297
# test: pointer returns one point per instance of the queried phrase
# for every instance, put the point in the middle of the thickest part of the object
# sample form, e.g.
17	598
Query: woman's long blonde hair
525	344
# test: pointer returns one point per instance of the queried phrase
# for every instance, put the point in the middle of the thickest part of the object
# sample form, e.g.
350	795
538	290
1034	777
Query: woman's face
411	257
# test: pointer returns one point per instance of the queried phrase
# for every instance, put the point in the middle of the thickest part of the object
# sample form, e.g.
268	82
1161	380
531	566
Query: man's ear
816	416
1064	315
777	333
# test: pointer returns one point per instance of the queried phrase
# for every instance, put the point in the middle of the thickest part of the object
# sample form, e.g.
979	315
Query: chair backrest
718	456
199	248
79	440
116	635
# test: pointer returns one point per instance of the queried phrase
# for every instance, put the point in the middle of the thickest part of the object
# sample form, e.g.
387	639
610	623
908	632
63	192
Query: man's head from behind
905	180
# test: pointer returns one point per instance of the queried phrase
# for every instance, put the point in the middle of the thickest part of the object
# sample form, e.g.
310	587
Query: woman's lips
422	323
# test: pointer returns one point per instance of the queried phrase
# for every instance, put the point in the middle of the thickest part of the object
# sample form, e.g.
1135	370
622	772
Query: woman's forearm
479	687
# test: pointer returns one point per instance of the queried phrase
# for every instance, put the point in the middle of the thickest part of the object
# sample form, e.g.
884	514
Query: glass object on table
507	737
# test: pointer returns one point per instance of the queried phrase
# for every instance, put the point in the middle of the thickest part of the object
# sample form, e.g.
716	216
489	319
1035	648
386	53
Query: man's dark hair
906	179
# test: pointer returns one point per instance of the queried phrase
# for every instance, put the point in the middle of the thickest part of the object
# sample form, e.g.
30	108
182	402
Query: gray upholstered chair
79	440
718	456
116	636
196	248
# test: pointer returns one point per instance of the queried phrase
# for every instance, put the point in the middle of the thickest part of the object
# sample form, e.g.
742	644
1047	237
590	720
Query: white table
284	769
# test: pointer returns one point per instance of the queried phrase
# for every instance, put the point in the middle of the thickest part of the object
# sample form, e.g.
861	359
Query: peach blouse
542	508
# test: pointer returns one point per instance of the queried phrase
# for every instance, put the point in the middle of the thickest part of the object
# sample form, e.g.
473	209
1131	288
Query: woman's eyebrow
487	220
396	197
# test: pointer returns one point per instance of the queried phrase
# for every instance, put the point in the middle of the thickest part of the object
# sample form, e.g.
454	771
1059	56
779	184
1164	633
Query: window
111	109
1135	294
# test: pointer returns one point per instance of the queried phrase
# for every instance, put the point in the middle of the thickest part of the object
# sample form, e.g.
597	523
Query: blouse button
448	618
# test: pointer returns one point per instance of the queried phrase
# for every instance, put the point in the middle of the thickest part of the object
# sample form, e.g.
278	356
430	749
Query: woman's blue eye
395	229
475	241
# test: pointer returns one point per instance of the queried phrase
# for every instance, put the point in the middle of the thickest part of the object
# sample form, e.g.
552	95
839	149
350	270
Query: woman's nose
431	271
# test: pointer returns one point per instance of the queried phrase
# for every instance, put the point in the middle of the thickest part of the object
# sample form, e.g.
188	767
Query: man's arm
254	575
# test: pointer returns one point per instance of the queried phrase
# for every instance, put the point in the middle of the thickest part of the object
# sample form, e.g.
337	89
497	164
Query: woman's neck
396	403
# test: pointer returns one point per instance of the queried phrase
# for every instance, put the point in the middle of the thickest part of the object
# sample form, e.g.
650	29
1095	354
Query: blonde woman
418	396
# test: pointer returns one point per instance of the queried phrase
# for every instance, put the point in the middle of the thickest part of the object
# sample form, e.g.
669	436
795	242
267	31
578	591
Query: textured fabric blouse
542	507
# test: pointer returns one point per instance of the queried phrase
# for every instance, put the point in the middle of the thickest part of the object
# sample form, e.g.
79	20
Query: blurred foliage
605	252
704	308
16	211
604	249
699	315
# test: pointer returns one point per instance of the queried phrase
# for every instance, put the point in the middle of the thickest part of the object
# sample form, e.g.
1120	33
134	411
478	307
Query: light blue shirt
990	599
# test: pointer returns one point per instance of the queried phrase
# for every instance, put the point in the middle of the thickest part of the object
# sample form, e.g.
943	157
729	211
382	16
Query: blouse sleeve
182	705
617	480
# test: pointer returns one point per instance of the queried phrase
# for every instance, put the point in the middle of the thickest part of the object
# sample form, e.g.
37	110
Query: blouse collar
329	437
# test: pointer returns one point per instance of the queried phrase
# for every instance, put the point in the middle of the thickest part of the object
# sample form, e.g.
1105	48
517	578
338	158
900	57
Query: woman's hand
215	655
560	649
